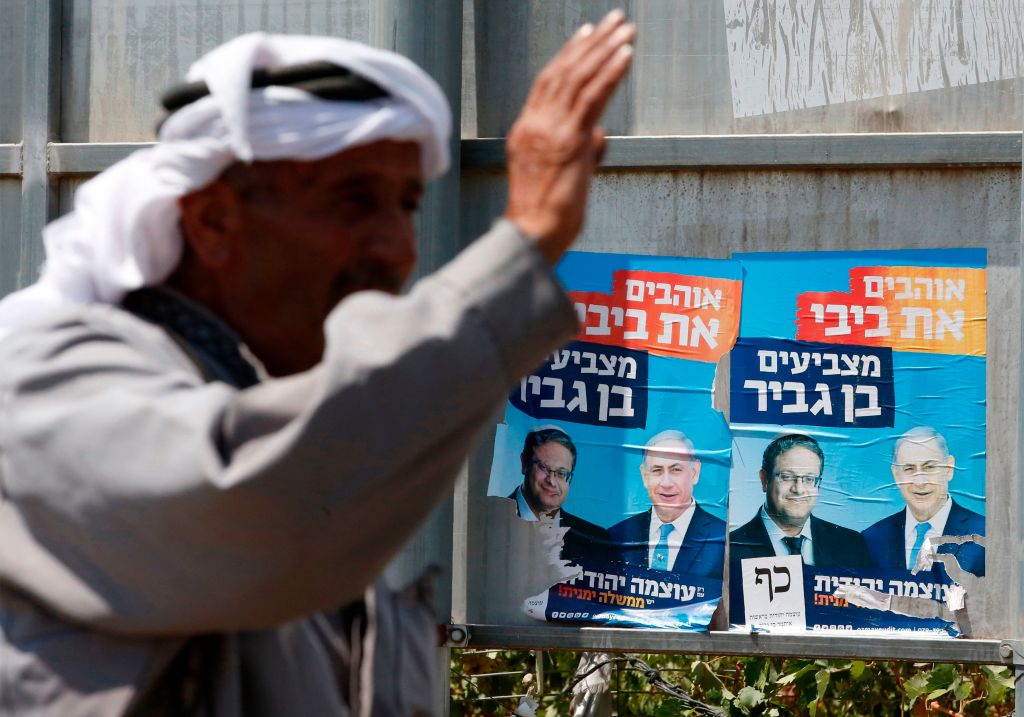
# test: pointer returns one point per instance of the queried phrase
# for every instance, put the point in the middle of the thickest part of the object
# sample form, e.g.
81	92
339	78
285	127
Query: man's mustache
371	276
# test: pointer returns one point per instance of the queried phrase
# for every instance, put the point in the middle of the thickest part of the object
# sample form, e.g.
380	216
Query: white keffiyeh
123	233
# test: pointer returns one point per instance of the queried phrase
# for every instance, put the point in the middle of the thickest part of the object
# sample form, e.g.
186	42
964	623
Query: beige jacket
141	507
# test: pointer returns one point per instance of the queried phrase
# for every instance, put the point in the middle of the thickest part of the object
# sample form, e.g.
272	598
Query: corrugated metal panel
776	66
12	38
121	54
16	269
716	213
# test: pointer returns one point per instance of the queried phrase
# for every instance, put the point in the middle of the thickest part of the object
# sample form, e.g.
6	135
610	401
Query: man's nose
395	239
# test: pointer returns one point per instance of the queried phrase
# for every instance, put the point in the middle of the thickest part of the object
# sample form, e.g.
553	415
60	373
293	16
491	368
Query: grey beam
1018	565
40	101
10	160
959	149
812	645
82	158
430	34
970	149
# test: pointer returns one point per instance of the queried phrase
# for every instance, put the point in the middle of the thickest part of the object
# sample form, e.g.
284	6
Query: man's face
670	471
923	472
789	492
546	477
295	238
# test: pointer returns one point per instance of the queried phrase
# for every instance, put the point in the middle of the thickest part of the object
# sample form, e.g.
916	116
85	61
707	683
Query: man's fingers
590	64
594	98
584	41
554	80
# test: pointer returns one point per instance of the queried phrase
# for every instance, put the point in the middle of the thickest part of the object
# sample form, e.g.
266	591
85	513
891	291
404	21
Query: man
219	421
548	462
922	467
676	534
790	478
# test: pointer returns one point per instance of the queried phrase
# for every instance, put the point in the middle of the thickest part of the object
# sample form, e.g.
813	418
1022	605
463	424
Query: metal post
1019	633
430	33
40	105
1018	694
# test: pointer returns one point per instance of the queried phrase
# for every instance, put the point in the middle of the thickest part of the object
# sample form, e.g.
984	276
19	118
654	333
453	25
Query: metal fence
744	125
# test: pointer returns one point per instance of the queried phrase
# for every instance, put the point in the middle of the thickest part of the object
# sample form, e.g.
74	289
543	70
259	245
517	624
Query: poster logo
907	308
785	382
587	383
674	315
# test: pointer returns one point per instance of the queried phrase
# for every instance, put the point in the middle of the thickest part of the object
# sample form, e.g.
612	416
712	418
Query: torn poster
857	406
614	438
789	55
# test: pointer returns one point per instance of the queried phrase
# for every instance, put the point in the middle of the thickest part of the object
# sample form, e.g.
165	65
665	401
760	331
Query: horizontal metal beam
86	158
10	160
961	149
830	645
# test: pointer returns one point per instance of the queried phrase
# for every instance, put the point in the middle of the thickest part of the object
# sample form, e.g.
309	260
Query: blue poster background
607	486
946	392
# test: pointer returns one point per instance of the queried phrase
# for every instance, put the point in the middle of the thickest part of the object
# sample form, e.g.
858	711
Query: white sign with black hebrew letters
773	593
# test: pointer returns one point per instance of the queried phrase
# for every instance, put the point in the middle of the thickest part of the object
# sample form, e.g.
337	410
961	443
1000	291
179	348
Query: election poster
612	445
857	408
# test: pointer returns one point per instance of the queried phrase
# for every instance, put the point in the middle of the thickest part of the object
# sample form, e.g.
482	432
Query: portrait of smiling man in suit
923	467
791	476
548	463
675	534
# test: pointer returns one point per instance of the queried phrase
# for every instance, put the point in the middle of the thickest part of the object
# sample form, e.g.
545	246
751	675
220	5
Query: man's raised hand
555	144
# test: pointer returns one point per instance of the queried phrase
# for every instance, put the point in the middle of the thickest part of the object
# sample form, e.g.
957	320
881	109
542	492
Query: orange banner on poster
907	308
676	315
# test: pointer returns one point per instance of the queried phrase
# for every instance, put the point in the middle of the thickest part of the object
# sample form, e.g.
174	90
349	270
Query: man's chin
797	517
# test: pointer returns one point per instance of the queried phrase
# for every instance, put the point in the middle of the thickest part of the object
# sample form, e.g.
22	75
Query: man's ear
696	470
764	480
208	220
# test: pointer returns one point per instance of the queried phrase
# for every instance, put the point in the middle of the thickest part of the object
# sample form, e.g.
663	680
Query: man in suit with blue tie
676	534
922	468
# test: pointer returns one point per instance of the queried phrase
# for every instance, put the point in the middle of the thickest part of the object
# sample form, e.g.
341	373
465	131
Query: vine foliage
490	683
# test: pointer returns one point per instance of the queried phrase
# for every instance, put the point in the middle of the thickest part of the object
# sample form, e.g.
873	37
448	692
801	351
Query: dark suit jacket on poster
702	552
583	540
833	546
887	543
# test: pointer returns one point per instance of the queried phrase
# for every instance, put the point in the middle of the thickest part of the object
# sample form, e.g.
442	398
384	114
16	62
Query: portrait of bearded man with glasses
548	462
791	476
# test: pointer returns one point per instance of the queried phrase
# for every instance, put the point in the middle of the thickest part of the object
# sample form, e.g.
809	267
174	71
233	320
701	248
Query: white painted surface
793	54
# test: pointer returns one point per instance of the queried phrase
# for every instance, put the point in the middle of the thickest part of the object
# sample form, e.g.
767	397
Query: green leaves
748	698
997	683
745	686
